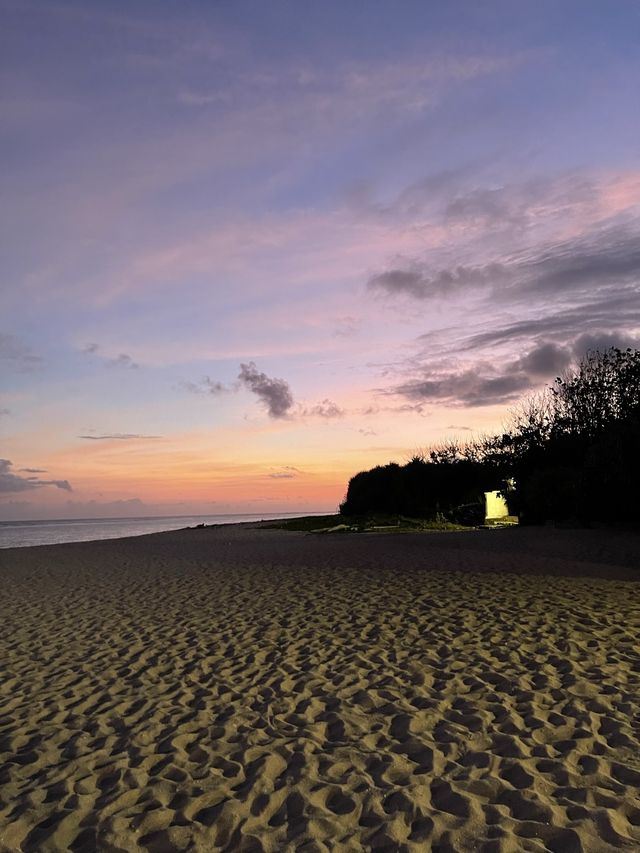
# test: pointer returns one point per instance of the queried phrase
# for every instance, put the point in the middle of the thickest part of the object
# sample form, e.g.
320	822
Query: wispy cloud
326	409
353	88
346	327
123	361
193	98
531	303
11	483
470	200
16	355
207	386
595	322
119	436
259	114
287	472
103	509
598	259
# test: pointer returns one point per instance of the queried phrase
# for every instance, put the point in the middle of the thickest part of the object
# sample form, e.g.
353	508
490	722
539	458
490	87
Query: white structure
495	506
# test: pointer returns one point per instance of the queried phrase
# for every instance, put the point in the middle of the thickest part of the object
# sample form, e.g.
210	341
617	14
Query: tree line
569	453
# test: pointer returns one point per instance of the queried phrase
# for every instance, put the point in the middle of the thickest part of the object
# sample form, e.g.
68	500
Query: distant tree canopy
450	477
573	451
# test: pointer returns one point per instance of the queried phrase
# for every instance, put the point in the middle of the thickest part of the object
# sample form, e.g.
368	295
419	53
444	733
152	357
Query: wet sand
257	690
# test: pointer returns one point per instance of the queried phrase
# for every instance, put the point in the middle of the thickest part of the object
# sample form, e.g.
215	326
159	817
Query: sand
248	689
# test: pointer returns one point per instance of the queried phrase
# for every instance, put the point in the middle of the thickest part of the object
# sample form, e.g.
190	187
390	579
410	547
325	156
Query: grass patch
361	523
307	522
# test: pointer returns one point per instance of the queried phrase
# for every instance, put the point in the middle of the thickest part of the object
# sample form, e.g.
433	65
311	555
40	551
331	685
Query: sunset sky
251	248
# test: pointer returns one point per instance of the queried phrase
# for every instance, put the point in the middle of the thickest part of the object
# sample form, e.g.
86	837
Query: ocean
21	534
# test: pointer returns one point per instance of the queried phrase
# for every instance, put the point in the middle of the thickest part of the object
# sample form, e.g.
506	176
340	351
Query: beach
241	688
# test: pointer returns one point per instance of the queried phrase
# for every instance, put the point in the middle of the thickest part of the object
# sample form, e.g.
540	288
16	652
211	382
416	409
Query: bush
469	514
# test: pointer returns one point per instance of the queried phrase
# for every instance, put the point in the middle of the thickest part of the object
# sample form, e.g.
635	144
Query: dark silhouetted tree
573	450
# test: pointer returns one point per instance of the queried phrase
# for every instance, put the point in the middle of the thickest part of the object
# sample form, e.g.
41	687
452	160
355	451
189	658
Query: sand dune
256	690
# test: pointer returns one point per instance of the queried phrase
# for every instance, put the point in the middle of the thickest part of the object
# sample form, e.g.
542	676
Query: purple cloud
10	482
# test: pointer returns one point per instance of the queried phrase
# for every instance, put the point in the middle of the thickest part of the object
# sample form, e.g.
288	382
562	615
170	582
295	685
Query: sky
252	248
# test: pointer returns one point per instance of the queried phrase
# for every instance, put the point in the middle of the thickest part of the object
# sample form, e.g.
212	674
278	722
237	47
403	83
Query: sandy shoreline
247	689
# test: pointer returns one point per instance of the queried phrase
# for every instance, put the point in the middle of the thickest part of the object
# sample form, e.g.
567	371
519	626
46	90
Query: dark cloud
274	393
417	282
16	355
471	388
484	384
90	348
459	427
4	412
124	361
119	436
34	470
10	482
545	361
603	341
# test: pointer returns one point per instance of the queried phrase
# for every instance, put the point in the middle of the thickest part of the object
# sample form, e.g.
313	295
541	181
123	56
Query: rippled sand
246	689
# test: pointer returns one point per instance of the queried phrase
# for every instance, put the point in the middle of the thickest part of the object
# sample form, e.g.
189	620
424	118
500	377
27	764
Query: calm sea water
20	534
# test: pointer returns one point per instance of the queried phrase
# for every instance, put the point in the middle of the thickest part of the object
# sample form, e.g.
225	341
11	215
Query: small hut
496	510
